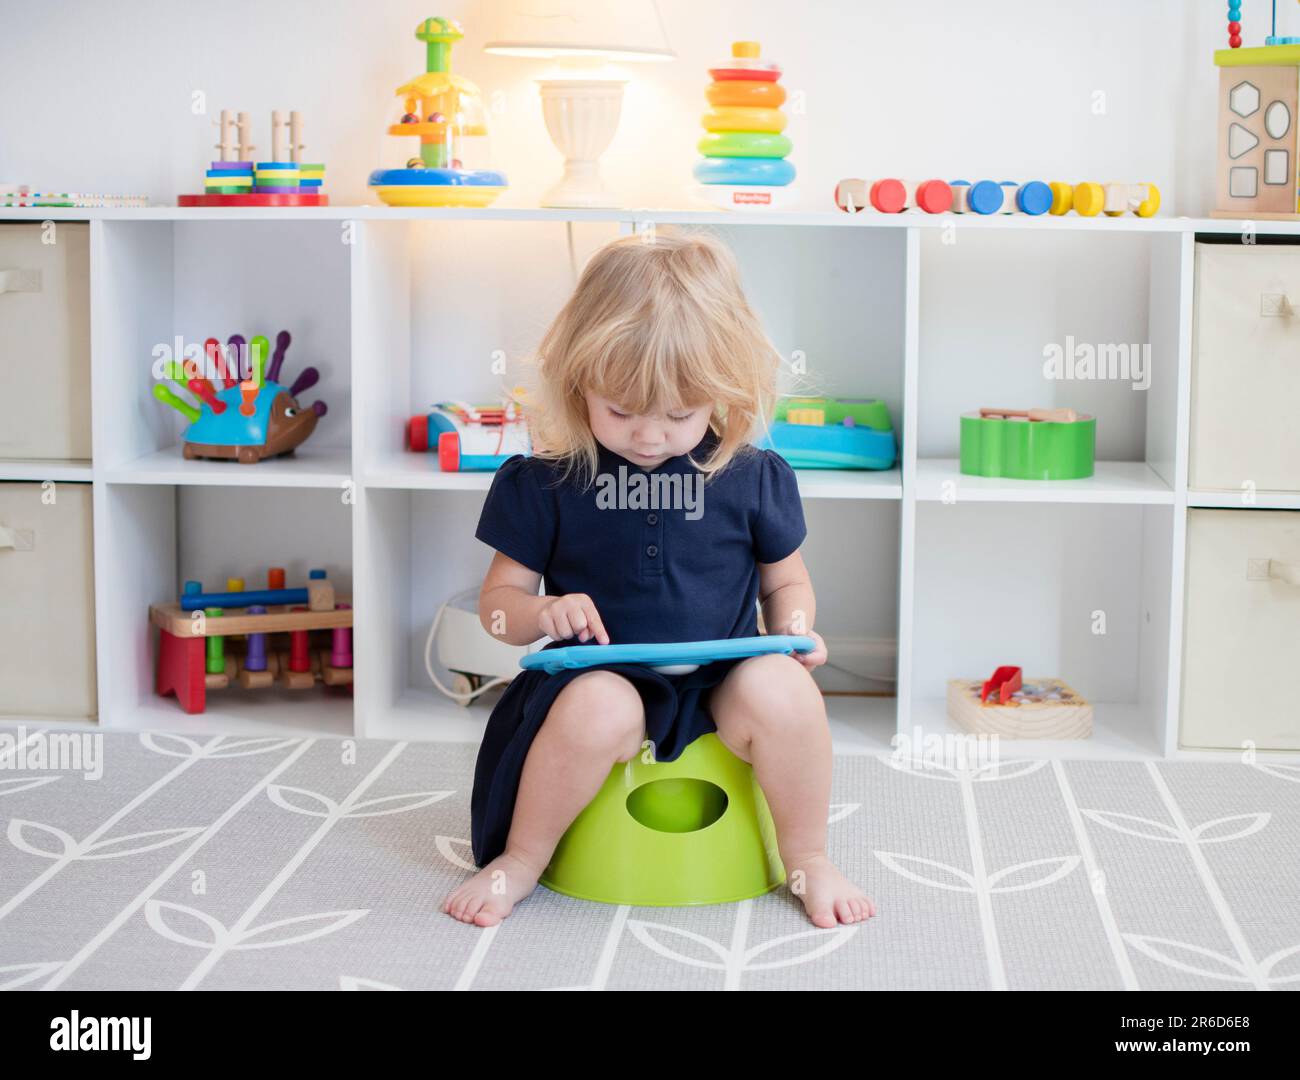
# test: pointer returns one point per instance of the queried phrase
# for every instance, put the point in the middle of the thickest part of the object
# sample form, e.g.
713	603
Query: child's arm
510	609
789	603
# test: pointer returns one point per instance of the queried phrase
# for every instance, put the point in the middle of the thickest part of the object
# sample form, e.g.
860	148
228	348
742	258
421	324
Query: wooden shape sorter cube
1039	709
1257	135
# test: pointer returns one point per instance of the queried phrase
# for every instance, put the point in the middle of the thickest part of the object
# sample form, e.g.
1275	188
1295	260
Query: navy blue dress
663	558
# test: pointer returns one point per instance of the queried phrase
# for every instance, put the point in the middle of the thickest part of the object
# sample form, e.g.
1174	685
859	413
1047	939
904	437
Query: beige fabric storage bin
45	341
1246	368
47	601
1241	678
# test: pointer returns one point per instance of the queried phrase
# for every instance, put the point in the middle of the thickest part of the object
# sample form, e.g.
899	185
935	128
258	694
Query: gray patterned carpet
233	862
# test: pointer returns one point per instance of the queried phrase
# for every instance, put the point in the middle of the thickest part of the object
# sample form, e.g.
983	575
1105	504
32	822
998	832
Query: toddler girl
653	378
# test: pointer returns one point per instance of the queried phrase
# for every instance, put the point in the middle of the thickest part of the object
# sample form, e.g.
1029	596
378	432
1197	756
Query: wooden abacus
196	652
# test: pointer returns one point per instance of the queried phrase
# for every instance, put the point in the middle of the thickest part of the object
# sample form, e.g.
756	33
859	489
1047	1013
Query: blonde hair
656	321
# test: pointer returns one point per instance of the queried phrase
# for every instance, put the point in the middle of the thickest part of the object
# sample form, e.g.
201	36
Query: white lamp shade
619	30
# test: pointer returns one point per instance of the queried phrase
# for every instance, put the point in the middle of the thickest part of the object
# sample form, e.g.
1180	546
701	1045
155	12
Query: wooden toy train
893	196
281	641
252	417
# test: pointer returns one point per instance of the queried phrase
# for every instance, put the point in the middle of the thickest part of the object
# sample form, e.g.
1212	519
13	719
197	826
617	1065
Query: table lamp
581	105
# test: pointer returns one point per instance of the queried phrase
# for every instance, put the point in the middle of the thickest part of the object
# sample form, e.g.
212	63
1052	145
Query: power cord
463	699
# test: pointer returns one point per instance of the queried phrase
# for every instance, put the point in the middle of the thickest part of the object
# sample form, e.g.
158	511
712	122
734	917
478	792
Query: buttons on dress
652	551
652	519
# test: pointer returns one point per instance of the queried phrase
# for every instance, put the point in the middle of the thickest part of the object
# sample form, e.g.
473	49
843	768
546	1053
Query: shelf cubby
159	288
154	537
1010	320
1073	591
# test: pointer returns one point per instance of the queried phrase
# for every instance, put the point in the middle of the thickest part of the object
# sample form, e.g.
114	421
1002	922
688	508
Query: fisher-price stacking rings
743	143
746	94
738	118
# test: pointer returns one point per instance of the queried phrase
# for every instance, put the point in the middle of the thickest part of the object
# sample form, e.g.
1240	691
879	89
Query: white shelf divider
381	521
308	466
420	472
1171	326
829	484
909	432
941	480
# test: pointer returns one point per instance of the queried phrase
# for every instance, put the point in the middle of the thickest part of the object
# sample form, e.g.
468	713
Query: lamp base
580	188
581	116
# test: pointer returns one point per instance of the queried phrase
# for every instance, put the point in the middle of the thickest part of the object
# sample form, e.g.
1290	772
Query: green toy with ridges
665	834
1028	449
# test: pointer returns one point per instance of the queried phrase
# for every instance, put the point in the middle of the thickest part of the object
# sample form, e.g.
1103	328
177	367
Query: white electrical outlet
1274	305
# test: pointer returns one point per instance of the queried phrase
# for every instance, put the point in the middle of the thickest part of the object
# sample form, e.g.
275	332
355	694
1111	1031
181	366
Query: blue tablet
669	658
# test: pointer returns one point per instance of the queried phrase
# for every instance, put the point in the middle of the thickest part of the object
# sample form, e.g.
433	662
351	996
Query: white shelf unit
947	575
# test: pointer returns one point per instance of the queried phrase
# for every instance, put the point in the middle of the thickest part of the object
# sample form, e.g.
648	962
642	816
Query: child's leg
769	712
596	720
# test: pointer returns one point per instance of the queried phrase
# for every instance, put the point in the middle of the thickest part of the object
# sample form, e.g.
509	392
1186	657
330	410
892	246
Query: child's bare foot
828	896
491	894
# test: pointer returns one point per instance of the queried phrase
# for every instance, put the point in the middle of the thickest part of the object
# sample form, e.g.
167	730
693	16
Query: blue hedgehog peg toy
250	418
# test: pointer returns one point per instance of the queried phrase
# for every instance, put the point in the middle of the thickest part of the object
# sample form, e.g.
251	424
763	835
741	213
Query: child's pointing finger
597	627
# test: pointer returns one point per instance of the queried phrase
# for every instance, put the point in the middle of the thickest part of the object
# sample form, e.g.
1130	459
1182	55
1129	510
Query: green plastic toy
867	412
667	834
1027	449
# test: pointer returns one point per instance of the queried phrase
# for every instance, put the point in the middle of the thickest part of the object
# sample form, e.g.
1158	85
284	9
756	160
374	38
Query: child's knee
601	709
770	692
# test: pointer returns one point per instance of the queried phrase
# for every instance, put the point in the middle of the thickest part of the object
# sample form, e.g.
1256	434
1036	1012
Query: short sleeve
779	526
519	517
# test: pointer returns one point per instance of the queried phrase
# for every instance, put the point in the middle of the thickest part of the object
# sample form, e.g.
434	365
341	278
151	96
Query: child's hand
573	615
817	656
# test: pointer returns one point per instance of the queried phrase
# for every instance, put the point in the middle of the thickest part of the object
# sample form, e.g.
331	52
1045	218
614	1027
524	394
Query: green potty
674	833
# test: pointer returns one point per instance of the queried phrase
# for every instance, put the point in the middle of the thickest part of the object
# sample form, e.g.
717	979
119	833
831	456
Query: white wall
98	96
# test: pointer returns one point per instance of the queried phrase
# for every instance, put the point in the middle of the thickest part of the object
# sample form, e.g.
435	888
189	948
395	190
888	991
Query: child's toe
822	915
